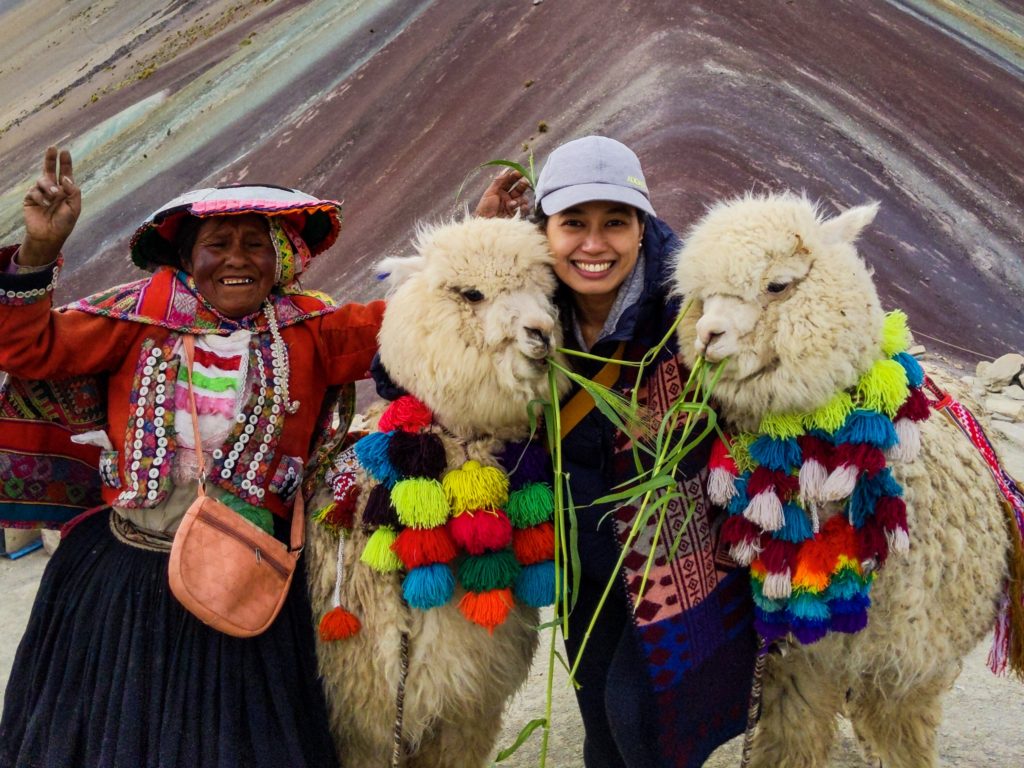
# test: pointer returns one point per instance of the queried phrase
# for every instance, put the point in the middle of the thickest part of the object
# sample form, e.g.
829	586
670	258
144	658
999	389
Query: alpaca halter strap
810	578
486	528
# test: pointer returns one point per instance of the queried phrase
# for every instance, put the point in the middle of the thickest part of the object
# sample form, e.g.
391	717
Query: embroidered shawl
45	478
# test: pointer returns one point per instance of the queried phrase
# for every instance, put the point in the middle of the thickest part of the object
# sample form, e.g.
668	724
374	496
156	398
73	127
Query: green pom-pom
883	388
491	570
831	416
782	426
895	333
378	553
420	502
531	505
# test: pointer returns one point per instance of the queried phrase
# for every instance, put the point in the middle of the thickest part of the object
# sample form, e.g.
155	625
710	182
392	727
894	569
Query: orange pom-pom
338	624
416	547
534	544
488	609
809	578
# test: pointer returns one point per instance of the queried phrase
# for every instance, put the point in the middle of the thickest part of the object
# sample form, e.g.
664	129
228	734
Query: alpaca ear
847	226
395	270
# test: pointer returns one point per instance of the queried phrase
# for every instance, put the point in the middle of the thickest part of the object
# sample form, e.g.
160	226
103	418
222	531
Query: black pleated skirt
113	673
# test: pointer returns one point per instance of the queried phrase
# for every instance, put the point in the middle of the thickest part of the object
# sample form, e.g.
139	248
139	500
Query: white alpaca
783	294
468	328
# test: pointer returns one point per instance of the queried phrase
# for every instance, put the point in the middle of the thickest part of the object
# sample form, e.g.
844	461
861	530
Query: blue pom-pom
808	607
867	492
739	502
915	374
797	526
857	603
535	584
775	454
428	586
372	452
868	427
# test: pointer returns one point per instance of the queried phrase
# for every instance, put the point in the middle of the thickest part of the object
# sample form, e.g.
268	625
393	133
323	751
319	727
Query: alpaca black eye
777	287
472	295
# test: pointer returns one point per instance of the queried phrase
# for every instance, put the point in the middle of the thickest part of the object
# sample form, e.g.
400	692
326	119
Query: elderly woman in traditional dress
112	670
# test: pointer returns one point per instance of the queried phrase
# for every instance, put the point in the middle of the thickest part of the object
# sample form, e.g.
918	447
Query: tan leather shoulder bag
226	571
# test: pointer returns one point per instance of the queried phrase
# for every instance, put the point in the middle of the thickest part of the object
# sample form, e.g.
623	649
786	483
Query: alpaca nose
709	330
540	336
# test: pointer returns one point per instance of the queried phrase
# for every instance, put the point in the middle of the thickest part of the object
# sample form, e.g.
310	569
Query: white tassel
765	510
812	479
778	586
744	552
899	541
721	486
840	483
908	446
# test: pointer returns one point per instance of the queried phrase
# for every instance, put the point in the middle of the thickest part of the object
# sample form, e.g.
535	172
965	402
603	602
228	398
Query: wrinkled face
233	263
470	323
595	245
783	298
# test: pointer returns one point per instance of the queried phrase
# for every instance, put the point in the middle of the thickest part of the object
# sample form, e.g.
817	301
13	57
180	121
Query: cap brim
566	197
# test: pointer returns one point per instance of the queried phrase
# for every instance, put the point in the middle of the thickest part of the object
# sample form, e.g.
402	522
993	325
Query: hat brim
566	197
318	220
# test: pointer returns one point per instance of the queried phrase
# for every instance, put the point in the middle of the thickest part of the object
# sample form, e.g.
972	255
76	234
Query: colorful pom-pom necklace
808	578
486	528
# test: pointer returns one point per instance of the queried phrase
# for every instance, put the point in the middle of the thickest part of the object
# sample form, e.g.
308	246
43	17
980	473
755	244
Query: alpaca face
782	296
470	323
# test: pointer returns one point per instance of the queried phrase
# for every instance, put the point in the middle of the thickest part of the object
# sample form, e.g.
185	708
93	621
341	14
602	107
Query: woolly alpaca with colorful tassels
880	549
431	555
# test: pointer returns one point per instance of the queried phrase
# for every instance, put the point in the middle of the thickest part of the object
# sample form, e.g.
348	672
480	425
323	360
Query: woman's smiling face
233	263
595	245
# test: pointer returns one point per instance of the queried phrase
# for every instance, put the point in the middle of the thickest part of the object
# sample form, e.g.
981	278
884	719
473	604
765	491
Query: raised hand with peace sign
50	209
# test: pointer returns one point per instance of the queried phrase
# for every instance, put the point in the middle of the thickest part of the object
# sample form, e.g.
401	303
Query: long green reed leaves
659	447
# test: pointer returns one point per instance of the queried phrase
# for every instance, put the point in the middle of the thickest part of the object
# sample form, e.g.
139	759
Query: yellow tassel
420	502
740	452
883	388
895	333
831	416
378	553
474	486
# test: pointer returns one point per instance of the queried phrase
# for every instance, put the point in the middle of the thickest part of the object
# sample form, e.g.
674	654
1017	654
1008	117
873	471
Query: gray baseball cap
592	168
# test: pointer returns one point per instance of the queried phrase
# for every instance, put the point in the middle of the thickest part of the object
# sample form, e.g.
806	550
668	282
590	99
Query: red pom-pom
915	407
721	458
481	530
342	512
416	547
867	458
406	413
338	624
873	543
488	609
815	448
778	555
891	513
535	544
737	528
784	484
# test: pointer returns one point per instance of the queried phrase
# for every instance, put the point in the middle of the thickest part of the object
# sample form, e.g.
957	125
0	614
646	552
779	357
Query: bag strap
582	403
298	529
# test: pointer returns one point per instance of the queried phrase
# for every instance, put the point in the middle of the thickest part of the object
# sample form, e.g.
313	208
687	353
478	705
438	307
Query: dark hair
185	239
177	252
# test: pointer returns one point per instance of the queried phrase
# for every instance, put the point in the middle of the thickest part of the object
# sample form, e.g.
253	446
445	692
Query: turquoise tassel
867	427
915	374
429	586
778	455
372	452
535	584
797	527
